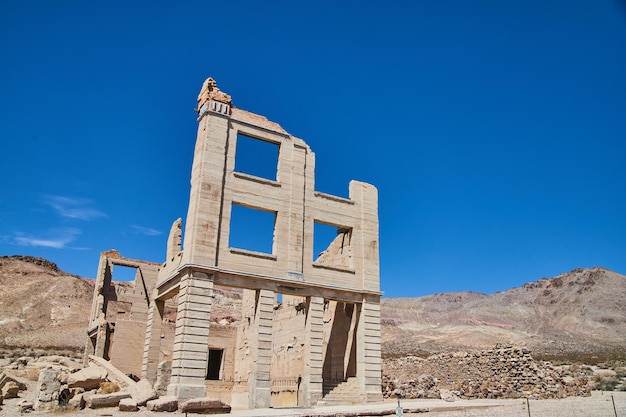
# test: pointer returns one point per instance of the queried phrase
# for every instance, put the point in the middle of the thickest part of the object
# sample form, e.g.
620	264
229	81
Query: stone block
77	402
87	378
10	390
204	406
163	404
5	377
105	400
127	404
142	392
48	385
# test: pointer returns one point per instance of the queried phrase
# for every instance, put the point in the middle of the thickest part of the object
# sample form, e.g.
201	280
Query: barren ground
598	405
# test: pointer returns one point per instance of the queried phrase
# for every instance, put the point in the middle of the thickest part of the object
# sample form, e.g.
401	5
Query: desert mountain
41	306
576	315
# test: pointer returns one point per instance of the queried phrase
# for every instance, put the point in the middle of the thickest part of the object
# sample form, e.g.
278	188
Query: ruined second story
221	188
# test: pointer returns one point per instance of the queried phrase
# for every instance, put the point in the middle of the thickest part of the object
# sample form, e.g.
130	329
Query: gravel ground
598	405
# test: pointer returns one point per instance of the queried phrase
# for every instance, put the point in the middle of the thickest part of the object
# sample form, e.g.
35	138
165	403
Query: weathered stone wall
503	372
287	351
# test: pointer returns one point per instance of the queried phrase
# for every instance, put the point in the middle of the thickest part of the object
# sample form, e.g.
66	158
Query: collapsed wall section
120	311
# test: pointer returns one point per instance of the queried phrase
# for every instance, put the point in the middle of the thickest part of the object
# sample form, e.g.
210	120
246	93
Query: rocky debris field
57	383
502	372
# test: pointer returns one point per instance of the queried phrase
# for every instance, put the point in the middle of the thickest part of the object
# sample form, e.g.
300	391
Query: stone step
343	393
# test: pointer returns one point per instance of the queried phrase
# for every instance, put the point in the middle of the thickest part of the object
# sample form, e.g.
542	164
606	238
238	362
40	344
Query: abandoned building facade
252	328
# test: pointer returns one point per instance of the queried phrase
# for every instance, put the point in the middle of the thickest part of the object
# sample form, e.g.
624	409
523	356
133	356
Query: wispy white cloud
145	230
56	238
73	208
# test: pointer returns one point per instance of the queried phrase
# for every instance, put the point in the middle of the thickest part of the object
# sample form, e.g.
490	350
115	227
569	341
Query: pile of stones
56	383
502	372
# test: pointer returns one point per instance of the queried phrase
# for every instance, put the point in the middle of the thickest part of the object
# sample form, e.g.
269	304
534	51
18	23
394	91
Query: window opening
252	229
256	157
215	364
123	273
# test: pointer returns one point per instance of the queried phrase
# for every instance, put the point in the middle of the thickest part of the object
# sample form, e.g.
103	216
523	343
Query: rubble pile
56	383
502	372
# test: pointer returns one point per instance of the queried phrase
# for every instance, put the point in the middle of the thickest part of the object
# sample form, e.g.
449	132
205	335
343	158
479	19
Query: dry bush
107	387
605	380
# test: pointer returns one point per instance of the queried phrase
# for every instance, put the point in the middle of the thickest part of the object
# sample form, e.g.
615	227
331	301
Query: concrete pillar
191	339
312	381
369	369
152	346
260	376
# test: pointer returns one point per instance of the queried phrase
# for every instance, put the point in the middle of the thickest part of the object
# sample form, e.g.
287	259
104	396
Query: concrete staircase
342	393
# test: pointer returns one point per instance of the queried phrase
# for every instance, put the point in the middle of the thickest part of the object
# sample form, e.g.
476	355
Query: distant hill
577	315
41	306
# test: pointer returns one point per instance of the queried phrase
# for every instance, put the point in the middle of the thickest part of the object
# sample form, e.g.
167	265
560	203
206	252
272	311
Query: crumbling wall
120	312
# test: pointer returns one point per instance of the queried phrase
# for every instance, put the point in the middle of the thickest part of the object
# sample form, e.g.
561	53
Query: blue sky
494	131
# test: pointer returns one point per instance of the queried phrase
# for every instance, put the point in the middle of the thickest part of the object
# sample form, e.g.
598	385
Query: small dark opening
215	364
64	396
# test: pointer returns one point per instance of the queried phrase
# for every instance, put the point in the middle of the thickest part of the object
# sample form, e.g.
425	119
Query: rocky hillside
41	306
577	315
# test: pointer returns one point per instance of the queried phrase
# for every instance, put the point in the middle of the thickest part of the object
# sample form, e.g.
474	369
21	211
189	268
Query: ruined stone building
279	327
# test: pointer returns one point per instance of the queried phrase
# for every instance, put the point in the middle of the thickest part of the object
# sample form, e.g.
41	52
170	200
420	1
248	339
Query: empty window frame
123	273
331	245
214	367
252	229
256	157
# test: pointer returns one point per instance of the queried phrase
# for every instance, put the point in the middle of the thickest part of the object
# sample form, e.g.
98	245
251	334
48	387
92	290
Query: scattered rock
448	395
10	390
113	374
25	406
502	372
87	378
142	392
128	404
77	401
163	404
204	405
48	386
104	400
6	377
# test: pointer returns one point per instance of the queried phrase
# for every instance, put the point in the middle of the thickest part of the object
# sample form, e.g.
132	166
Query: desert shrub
107	387
605	380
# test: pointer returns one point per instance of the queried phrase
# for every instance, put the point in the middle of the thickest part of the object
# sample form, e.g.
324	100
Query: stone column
369	369
260	376
312	379
191	339
152	346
